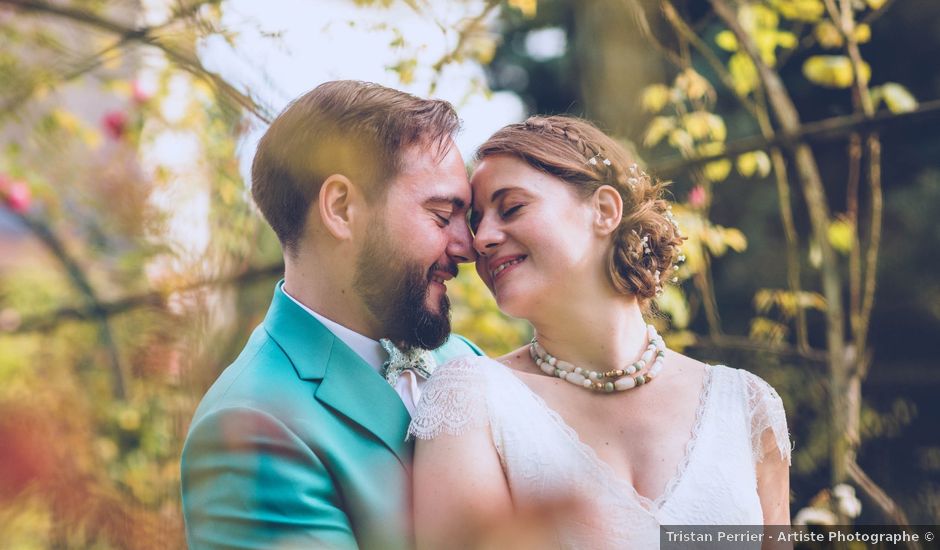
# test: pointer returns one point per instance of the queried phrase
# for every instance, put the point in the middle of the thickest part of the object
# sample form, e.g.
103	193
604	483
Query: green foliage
476	316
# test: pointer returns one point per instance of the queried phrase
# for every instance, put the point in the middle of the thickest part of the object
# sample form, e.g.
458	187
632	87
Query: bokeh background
800	137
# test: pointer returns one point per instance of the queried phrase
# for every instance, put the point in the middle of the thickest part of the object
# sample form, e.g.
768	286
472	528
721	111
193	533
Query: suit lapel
348	384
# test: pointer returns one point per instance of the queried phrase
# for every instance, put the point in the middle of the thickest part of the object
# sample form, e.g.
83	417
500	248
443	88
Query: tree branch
469	28
45	322
817	204
94	306
148	35
877	494
823	130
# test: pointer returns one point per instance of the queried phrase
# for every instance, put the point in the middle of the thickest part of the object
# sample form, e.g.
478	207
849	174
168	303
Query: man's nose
460	247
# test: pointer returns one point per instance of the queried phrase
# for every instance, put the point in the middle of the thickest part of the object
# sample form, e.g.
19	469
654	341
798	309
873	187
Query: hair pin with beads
593	160
644	240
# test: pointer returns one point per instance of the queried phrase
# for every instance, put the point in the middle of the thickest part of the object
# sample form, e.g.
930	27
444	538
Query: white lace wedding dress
543	458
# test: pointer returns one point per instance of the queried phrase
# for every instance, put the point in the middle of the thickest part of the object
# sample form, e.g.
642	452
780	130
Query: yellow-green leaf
692	84
862	33
734	237
754	162
727	41
658	128
769	330
897	98
710	148
827	35
655	97
527	7
766	41
786	39
675	305
717	170
696	124
680	139
833	71
743	73
801	10
841	235
755	16
716	127
747	164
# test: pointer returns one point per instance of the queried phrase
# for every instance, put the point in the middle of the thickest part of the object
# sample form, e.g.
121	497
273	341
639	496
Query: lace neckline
651	506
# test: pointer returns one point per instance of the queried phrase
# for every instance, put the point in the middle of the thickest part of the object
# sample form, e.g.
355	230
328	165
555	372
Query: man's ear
608	209
338	202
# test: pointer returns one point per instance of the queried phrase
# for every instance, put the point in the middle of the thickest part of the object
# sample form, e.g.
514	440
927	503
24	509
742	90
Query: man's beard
395	291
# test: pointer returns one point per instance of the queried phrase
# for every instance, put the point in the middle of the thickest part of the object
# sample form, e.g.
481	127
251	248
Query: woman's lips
505	266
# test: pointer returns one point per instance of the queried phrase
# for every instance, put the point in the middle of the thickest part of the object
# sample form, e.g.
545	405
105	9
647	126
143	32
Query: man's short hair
358	129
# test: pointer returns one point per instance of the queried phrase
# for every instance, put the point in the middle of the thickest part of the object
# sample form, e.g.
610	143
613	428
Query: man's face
413	245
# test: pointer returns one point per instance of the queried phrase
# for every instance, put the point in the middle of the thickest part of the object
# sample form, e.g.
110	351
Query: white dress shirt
409	384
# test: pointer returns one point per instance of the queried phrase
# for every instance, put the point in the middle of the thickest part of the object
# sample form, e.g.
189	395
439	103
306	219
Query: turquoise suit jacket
300	444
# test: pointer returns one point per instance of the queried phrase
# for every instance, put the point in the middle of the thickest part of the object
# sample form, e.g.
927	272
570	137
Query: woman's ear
337	202
608	209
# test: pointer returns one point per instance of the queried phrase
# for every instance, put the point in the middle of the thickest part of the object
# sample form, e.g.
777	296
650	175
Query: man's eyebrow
456	202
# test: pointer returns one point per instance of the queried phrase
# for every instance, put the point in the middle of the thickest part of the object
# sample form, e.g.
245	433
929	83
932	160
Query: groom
300	443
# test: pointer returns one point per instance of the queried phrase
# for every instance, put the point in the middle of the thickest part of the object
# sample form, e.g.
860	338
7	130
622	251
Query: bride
575	238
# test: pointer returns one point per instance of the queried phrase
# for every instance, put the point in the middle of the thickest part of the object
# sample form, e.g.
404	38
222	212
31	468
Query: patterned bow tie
417	359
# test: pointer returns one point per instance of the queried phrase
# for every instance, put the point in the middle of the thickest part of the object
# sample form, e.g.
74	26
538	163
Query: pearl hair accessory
645	241
593	160
610	381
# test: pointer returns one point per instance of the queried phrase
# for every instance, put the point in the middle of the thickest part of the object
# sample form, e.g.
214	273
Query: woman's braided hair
646	245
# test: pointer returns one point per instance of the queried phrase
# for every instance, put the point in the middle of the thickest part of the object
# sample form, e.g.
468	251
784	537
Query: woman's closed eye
511	211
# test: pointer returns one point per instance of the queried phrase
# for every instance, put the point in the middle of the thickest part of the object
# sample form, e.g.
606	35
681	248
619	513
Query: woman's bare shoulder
518	359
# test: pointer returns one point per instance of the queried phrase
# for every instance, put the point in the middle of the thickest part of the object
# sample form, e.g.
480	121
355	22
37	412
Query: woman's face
534	236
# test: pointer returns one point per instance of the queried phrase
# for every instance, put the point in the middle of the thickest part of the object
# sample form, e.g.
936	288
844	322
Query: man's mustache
446	268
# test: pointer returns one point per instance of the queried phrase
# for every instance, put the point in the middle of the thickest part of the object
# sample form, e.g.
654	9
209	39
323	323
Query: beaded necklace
610	381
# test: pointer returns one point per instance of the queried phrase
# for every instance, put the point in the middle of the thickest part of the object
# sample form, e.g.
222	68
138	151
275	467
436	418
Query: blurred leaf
696	124
754	161
862	33
527	7
800	10
406	70
681	140
815	254
727	41
833	71
735	238
717	170
897	98
693	85
827	35
786	39
841	235
768	330
655	97
743	73
673	303
658	128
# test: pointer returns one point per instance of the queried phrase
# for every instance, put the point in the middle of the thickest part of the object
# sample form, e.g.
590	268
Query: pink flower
697	197
115	123
17	197
138	93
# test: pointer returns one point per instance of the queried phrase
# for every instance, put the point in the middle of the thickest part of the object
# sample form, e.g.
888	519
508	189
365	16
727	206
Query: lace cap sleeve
453	400
767	417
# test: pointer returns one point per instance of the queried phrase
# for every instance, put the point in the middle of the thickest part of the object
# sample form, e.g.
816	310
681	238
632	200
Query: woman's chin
513	306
